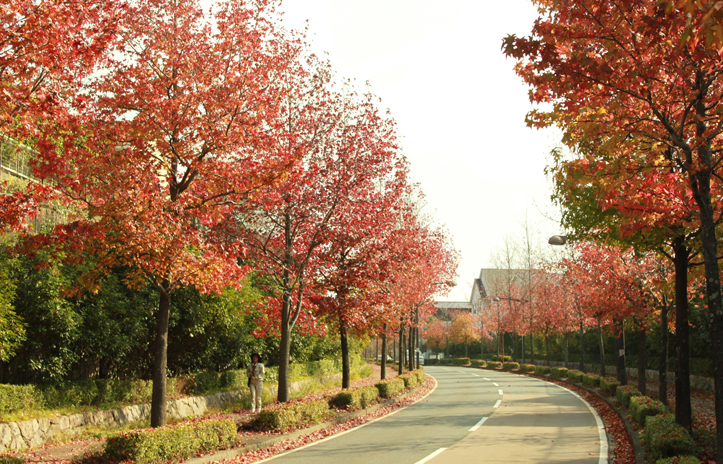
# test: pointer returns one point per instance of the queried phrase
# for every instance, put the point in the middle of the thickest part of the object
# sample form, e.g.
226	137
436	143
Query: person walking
255	372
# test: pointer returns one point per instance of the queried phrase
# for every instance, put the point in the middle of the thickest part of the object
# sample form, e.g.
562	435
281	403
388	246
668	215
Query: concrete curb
264	442
632	433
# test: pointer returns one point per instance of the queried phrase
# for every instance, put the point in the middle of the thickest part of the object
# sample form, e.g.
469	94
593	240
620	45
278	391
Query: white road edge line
493	383
354	428
485	378
497	404
500	391
600	427
431	456
475	375
478	424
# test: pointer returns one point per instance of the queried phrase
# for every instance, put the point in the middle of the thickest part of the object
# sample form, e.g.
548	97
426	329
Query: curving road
473	416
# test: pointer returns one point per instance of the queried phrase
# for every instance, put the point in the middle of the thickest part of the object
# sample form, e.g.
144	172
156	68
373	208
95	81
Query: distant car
379	357
421	357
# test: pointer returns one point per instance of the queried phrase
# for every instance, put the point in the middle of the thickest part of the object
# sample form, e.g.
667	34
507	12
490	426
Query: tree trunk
683	410
567	339
602	350
345	373
532	348
376	348
582	347
282	394
384	354
547	347
160	357
465	350
410	361
642	381
663	366
523	349
401	349
620	352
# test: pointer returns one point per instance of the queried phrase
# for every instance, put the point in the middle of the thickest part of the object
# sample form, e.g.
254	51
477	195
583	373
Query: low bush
18	397
624	393
501	358
420	375
355	399
390	388
6	460
432	361
290	415
644	406
679	460
527	368
665	438
542	370
493	364
591	380
410	379
510	366
478	363
460	361
609	385
174	442
574	375
559	372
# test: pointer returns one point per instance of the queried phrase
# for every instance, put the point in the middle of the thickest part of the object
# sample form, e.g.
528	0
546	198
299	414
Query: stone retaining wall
33	433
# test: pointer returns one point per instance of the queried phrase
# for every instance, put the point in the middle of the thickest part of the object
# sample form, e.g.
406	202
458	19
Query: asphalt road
473	416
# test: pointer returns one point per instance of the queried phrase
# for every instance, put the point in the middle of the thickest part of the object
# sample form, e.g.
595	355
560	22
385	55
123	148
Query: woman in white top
255	372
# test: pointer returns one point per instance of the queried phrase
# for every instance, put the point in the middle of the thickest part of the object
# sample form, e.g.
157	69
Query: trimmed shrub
591	380
609	385
509	366
478	363
432	361
355	399
665	438
494	365
16	397
390	388
644	406
624	393
559	372
679	460
292	415
6	460
420	375
173	442
460	361
542	370
574	375
527	368
500	358
410	379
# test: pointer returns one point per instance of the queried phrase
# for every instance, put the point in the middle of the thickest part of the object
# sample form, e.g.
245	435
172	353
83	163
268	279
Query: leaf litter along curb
287	445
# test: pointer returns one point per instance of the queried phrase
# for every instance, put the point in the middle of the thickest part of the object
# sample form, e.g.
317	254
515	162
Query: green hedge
624	393
172	443
679	460
390	388
420	375
410	379
432	361
286	416
460	361
644	406
16	397
665	438
527	368
542	370
355	399
510	366
499	358
559	372
609	385
493	364
574	375
478	363
6	460
591	380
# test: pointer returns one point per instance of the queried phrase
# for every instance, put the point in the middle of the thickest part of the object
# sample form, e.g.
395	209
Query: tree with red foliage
635	75
464	329
169	139
436	334
47	46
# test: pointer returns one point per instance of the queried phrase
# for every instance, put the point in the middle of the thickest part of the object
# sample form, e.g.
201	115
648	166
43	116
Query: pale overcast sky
437	65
